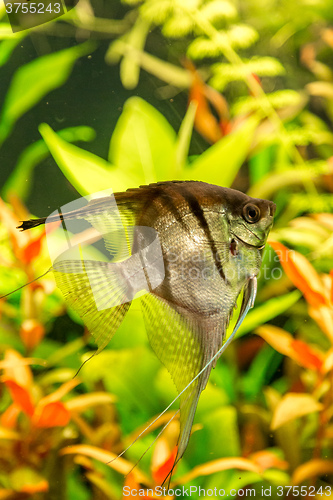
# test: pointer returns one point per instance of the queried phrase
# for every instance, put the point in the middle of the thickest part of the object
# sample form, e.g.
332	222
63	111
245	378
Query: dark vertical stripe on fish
199	213
168	202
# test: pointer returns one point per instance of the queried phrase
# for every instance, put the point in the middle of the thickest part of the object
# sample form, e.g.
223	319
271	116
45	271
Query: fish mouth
258	247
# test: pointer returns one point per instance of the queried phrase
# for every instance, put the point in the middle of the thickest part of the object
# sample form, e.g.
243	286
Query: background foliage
234	93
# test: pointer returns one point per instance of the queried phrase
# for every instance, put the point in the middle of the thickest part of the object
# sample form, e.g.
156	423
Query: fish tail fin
29	224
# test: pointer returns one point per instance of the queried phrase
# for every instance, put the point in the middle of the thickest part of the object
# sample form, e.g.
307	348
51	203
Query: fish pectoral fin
95	294
249	295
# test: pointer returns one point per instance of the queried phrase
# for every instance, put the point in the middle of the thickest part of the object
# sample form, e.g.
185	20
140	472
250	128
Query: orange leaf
43	485
52	415
205	122
268	460
31	333
107	457
15	368
305	355
331	275
9	434
313	468
132	485
60	392
217	466
328	362
297	350
9	417
20	396
301	273
85	401
165	468
292	406
323	315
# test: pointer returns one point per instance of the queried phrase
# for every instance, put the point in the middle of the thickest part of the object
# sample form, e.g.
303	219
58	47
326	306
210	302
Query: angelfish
212	240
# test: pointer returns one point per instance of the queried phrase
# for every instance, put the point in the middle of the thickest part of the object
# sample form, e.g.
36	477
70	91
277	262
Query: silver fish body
211	239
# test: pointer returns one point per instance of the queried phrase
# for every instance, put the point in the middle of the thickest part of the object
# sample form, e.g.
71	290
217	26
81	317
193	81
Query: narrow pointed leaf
184	136
34	80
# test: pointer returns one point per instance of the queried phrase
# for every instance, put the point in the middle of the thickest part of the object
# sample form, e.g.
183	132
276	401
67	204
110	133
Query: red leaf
52	415
20	396
32	249
163	470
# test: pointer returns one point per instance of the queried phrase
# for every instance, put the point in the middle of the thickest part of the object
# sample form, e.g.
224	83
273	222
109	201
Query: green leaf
268	311
156	11
220	163
225	442
169	73
261	371
7	46
184	136
279	99
20	179
218	9
5	28
179	25
239	481
86	172
260	164
134	389
242	36
275	182
25	477
34	80
238	36
261	66
276	477
143	144
129	66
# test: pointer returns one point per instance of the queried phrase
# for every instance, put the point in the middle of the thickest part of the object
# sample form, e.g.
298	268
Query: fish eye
251	213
